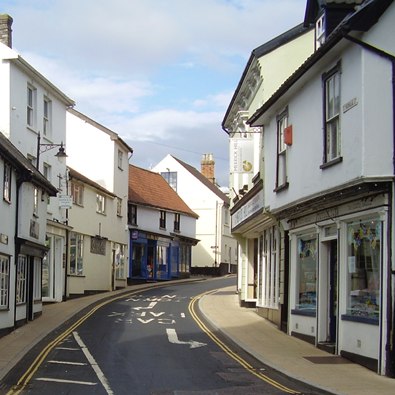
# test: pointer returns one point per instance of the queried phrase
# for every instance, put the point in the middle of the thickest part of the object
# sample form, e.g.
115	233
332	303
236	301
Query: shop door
137	259
333	291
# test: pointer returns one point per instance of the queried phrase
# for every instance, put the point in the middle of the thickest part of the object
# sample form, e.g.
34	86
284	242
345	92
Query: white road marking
65	381
68	363
173	338
151	305
95	366
145	321
182	315
156	314
68	348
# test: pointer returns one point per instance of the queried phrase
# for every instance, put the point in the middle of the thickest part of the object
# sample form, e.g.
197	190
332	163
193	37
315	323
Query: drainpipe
390	350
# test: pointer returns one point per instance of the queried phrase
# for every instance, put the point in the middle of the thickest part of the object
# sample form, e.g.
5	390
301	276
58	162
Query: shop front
339	275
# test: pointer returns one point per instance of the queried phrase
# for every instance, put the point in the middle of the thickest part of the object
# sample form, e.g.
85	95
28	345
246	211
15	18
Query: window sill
281	187
76	275
331	163
362	320
98	212
7	200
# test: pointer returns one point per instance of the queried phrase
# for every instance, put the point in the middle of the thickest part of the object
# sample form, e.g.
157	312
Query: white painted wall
210	226
364	131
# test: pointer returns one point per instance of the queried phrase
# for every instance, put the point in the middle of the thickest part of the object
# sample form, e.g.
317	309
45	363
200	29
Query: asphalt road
153	342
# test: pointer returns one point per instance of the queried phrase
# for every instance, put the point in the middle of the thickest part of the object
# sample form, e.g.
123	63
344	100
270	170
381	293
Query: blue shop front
155	257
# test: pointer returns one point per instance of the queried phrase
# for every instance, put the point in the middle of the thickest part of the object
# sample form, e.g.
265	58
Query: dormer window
320	31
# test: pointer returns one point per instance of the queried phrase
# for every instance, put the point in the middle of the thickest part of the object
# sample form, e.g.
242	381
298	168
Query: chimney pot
5	30
207	167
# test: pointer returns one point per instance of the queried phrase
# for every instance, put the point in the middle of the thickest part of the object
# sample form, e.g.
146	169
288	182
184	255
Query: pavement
259	337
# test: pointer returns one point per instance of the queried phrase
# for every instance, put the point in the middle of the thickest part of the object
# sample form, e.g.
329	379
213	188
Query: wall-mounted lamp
46	147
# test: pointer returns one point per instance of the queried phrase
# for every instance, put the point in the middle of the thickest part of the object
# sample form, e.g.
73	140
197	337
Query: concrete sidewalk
253	333
294	357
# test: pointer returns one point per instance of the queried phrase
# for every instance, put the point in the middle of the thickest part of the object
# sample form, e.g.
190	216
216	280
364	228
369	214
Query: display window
306	299
363	268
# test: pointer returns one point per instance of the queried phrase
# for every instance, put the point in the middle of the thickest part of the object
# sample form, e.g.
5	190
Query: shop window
76	253
120	261
37	279
363	269
21	278
306	299
4	281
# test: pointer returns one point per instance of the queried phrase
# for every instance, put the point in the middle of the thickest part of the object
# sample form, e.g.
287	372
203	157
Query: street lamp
43	147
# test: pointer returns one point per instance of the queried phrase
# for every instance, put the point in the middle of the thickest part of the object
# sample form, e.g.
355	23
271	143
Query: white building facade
33	117
262	271
216	247
332	185
23	209
105	164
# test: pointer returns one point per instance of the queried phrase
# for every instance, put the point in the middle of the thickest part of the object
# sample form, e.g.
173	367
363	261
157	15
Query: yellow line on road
231	353
27	376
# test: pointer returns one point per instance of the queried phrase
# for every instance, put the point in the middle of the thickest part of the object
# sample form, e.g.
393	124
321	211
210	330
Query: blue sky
160	73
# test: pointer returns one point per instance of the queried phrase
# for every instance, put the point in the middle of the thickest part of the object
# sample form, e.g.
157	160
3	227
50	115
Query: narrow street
151	342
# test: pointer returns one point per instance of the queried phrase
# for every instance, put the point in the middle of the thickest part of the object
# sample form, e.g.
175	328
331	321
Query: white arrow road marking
173	338
115	314
156	314
145	321
151	305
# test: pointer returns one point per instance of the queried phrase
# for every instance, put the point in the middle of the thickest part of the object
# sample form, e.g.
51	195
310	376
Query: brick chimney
208	167
5	30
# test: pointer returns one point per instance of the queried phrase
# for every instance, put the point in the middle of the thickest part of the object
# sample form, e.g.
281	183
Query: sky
159	73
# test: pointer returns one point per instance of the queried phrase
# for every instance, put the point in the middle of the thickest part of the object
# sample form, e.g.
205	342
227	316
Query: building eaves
361	20
29	173
206	182
80	177
32	72
260	51
150	189
113	136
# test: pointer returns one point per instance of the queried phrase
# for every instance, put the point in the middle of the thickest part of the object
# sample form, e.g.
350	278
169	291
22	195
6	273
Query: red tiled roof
151	189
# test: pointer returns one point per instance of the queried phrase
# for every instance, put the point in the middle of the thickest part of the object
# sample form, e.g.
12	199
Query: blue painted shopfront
152	257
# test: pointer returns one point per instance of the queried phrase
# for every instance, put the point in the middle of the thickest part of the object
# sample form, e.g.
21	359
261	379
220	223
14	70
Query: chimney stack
208	167
5	30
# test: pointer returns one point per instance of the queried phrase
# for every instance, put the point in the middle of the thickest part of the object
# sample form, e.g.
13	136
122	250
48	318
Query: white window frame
4	282
119	207
77	192
37	285
76	245
100	203
120	261
7	182
332	97
21	280
47	117
31	107
281	171
35	201
120	159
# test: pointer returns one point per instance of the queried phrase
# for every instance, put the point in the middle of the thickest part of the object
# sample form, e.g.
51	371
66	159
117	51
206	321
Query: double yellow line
231	353
27	376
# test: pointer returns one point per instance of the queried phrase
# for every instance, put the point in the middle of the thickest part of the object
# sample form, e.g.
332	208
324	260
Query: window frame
77	193
120	160
76	267
281	153
177	222
36	193
162	219
171	178
132	213
31	101
331	117
4	282
21	280
47	117
119	207
100	204
7	182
